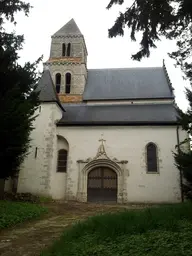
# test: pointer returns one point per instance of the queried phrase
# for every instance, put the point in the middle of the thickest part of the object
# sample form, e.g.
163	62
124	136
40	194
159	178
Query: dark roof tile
127	83
118	114
47	89
68	29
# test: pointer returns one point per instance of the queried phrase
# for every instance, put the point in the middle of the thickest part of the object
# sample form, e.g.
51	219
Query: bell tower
68	62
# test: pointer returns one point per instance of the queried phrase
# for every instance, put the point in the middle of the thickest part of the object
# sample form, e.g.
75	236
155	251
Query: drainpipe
180	171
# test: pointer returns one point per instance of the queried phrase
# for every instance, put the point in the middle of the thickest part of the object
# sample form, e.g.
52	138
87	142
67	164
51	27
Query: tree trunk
2	186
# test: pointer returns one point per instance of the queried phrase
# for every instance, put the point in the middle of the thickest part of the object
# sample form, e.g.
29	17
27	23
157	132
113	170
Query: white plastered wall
35	173
58	179
128	143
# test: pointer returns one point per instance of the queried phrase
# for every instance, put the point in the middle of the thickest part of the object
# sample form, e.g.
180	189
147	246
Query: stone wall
75	64
78	48
70	98
78	76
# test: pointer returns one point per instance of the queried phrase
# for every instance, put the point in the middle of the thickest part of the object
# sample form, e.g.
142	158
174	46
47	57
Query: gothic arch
151	155
104	163
84	170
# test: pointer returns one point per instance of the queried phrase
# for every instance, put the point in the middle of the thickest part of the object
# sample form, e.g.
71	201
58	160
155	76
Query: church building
102	135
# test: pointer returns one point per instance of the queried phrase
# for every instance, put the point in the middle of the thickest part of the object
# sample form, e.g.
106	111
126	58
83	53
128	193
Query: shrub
21	197
164	230
12	213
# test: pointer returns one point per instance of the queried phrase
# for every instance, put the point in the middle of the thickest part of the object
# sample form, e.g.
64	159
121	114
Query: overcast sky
94	20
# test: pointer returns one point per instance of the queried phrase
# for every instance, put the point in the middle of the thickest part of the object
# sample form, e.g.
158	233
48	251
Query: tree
171	19
18	99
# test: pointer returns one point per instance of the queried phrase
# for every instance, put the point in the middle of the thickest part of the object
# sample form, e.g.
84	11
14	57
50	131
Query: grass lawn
12	213
162	231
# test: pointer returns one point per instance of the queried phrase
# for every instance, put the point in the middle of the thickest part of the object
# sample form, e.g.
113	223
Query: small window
63	50
151	158
67	83
58	82
69	50
62	161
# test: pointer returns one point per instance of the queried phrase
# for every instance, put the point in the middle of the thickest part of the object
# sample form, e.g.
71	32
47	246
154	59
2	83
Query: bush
165	230
45	199
12	213
22	197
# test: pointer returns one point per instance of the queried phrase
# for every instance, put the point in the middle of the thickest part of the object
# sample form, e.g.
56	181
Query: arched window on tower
58	82
151	149
69	50
63	50
62	160
67	83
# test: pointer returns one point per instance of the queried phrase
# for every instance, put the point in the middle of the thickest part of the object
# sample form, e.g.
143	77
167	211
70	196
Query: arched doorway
102	185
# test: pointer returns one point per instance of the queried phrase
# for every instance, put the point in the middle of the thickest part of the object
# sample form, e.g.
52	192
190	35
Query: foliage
171	19
165	230
45	199
184	162
12	213
22	197
18	100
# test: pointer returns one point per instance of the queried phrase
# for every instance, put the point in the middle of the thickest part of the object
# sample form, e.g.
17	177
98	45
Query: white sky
94	20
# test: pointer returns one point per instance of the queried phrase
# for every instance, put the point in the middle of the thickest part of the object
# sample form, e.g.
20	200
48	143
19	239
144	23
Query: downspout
180	171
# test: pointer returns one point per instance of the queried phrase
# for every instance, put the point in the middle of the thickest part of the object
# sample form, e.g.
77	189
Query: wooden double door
102	185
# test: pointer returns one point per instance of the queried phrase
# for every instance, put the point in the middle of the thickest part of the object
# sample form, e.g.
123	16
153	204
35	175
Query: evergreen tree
18	100
171	19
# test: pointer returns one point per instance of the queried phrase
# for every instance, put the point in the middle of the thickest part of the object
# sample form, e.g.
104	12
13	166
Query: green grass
12	213
161	231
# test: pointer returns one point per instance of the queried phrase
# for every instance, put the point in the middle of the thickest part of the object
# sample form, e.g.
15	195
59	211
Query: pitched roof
127	83
69	28
82	114
47	89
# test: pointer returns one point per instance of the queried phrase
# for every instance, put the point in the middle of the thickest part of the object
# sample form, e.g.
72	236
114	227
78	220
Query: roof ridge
168	79
133	105
125	68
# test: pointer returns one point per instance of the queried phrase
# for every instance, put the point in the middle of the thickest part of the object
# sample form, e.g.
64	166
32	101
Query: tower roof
69	29
47	89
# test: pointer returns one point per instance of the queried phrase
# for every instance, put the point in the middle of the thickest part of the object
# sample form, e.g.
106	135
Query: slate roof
127	83
82	114
47	89
70	28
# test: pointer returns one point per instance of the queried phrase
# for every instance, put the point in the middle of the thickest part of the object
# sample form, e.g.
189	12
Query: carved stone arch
84	170
102	162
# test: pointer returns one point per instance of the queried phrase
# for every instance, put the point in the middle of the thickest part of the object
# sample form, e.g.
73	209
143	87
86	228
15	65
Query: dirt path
31	238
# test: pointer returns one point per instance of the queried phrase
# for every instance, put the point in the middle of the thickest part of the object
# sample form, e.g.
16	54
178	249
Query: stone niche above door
118	173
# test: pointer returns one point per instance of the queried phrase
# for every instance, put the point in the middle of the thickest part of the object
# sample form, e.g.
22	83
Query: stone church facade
102	134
